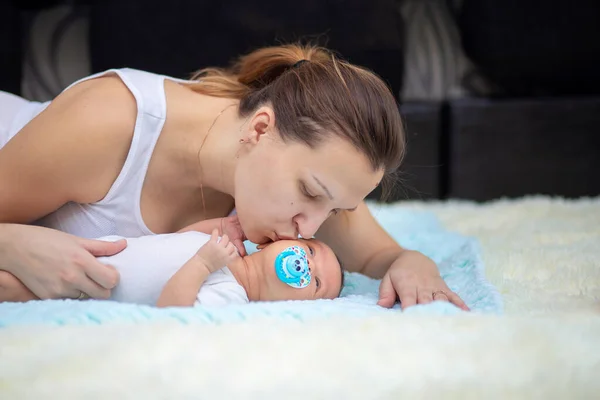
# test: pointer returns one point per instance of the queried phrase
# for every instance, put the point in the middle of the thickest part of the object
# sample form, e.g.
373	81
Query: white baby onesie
148	262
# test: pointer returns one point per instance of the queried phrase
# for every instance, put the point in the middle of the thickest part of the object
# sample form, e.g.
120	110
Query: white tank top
118	213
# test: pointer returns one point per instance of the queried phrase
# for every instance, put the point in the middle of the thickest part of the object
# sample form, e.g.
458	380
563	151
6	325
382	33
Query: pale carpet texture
543	255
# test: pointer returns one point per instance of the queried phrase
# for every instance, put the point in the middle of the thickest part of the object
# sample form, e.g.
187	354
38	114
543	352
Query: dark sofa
534	130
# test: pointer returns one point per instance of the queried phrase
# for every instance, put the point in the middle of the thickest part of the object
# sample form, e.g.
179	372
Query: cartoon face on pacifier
291	266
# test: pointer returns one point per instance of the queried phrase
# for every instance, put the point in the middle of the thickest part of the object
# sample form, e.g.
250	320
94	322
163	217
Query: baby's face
299	270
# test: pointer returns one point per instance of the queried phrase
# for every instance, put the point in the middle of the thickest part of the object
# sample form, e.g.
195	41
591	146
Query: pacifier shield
291	267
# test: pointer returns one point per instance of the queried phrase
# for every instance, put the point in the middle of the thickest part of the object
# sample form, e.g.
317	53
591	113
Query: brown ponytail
314	99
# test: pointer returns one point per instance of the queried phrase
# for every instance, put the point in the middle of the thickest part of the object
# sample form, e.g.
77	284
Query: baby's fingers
214	236
231	249
224	241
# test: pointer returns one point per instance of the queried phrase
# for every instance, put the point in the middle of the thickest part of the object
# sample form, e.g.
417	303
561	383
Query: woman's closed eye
308	194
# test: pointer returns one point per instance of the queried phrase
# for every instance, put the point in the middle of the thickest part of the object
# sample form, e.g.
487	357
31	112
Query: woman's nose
307	231
308	227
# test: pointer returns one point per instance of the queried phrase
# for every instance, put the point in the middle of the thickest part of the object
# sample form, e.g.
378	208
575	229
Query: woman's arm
363	246
72	151
360	242
13	290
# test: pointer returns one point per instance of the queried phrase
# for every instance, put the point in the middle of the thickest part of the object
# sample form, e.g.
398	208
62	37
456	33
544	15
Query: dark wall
11	53
536	131
534	47
180	36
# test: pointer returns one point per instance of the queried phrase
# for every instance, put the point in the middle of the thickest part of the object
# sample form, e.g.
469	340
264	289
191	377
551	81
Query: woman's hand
54	264
415	279
231	227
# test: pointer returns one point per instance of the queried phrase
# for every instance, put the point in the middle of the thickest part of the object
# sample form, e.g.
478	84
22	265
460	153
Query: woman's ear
262	123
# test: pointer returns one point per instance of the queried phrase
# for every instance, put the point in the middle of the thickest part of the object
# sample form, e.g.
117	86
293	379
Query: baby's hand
216	254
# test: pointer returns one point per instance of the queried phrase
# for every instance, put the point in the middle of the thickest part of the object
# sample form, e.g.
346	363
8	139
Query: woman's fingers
240	247
387	293
89	287
449	296
99	278
407	295
457	301
105	276
425	296
101	248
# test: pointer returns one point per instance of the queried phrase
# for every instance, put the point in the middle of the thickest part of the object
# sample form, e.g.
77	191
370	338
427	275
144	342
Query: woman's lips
274	237
285	237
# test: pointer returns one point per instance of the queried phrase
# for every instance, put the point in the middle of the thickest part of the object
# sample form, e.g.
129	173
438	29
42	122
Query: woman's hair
314	94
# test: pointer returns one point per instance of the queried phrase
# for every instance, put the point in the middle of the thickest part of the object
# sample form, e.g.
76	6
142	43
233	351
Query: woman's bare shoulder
106	94
72	151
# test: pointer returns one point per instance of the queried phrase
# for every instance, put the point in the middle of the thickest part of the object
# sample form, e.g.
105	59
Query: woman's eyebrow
329	193
323	187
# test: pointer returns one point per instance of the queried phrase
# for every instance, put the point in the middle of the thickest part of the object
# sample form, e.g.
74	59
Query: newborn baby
188	268
183	269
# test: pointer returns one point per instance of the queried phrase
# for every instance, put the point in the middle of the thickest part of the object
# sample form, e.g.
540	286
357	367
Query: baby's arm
12	289
183	287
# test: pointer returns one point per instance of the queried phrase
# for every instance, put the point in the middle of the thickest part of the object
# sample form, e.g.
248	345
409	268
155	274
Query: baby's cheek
305	294
286	292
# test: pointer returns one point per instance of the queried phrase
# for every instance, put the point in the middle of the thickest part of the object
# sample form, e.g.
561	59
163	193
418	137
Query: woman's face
283	190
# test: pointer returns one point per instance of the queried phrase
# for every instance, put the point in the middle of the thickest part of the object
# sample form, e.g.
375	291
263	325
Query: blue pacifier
291	266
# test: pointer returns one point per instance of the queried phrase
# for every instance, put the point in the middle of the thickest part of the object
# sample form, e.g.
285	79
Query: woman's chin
258	238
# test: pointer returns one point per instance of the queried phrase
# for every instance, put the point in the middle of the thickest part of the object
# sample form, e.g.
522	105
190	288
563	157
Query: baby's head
297	270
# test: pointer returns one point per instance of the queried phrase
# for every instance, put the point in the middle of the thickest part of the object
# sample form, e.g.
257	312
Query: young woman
290	137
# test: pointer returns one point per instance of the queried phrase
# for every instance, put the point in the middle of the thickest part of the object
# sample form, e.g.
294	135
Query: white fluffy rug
542	254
